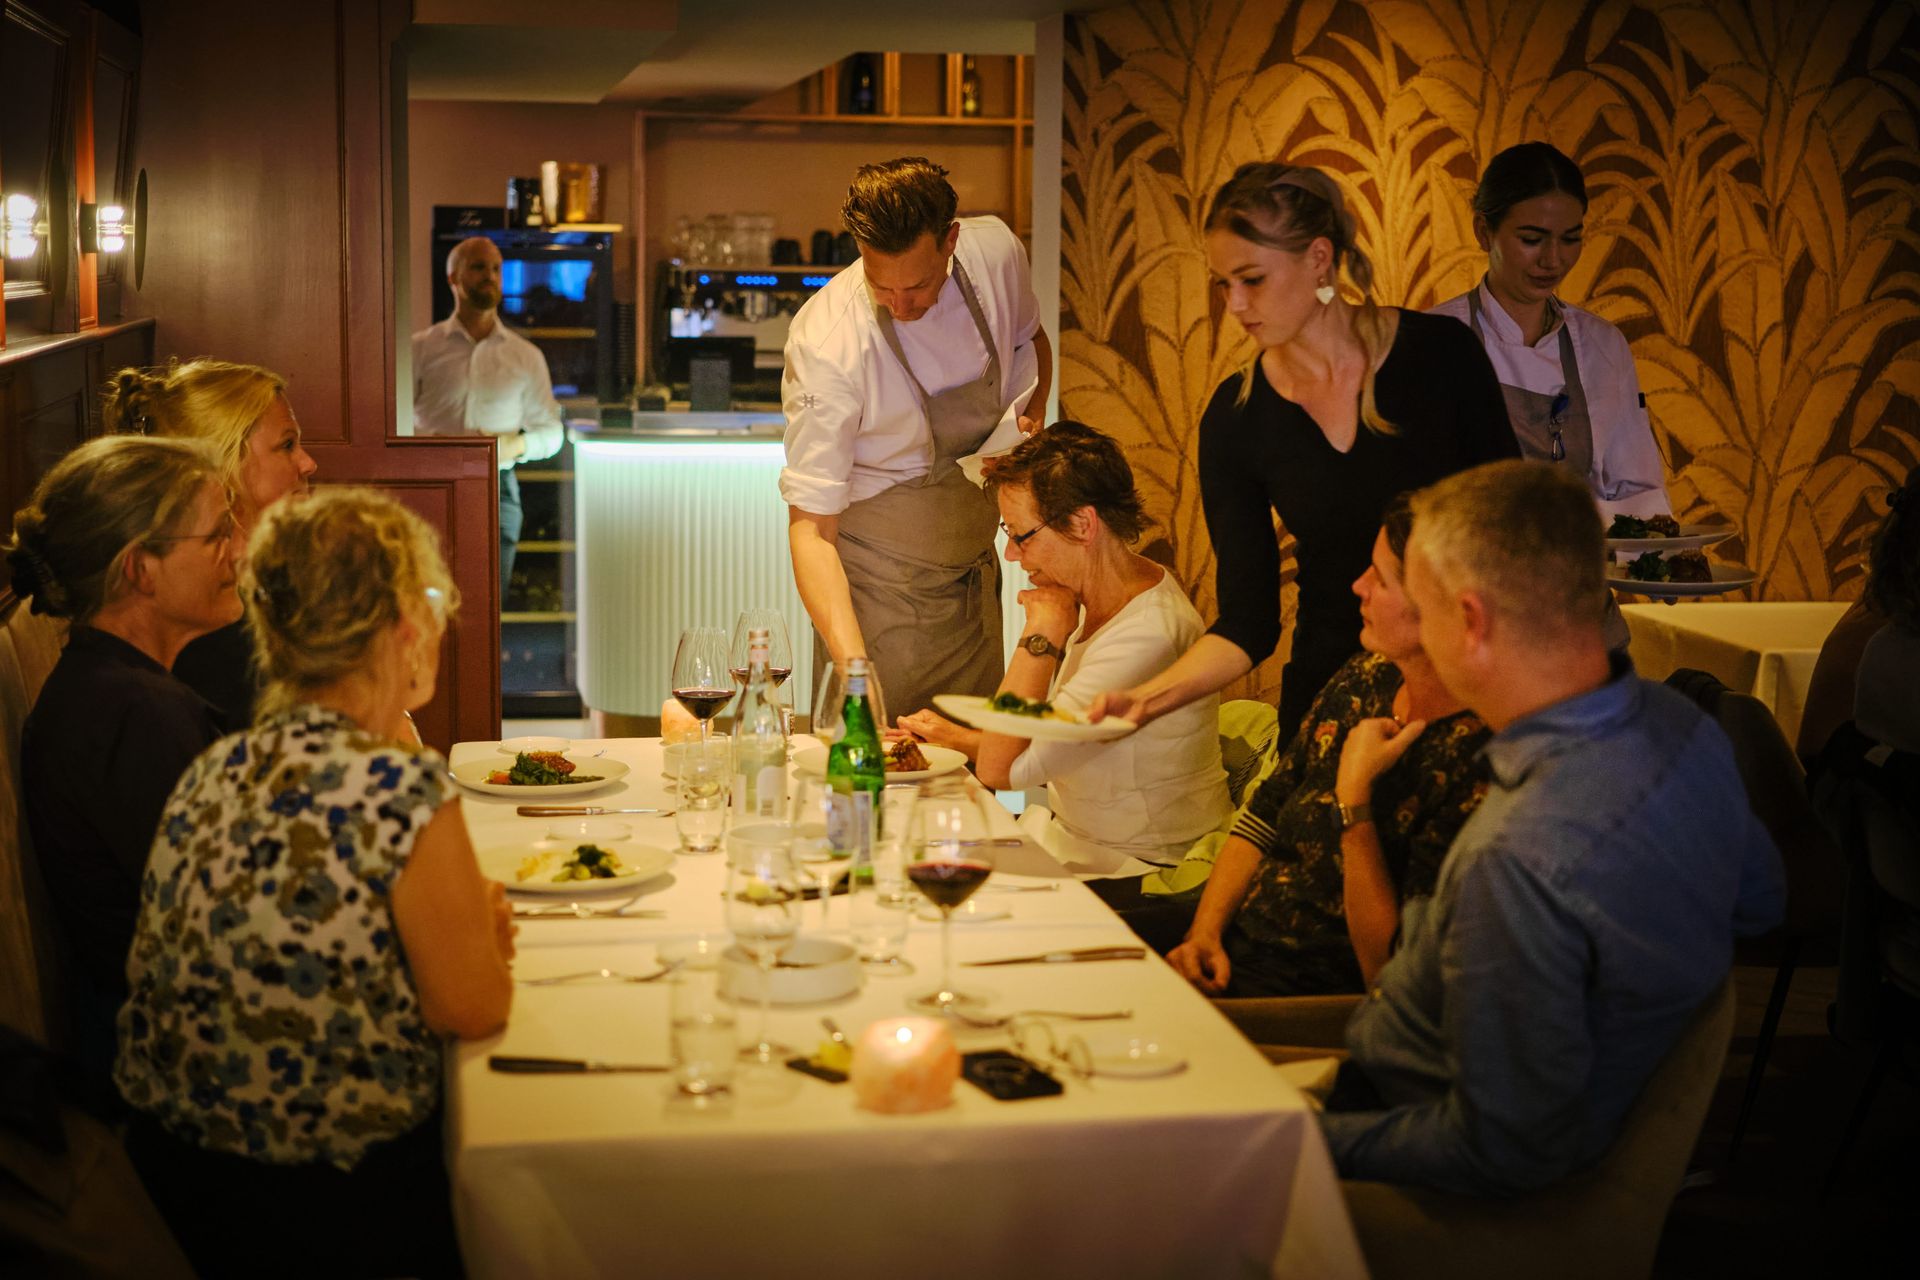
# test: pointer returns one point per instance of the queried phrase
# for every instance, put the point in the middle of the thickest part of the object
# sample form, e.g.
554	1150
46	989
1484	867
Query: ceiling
685	53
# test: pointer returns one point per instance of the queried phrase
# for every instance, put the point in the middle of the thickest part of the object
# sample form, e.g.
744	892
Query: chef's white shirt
496	386
1628	475
855	425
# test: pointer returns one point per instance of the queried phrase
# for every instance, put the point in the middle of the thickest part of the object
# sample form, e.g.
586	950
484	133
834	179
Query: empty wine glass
949	855
830	701
763	912
700	681
821	857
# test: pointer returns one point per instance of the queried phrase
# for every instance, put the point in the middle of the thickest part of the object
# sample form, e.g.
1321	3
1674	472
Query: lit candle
677	724
905	1065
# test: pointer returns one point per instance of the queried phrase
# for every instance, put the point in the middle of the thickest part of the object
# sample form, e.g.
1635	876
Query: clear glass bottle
759	744
969	87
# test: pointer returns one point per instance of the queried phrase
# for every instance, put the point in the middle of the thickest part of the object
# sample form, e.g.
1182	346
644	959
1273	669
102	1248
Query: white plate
1692	538
969	912
1133	1057
813	760
812	970
1726	577
502	862
514	746
473	773
971	709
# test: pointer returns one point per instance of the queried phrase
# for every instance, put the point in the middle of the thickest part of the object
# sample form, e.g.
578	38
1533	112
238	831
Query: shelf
557	333
548	477
807	117
546	546
506	618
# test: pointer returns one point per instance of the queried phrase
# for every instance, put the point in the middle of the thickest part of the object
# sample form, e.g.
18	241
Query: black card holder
1007	1076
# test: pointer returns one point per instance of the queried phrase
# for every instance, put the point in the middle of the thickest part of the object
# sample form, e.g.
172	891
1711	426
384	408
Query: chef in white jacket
1568	376
901	367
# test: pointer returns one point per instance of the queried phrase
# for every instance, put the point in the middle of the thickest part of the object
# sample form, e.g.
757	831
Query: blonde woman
1346	404
129	540
312	922
241	410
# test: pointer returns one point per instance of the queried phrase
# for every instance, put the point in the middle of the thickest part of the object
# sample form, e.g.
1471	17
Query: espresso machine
695	304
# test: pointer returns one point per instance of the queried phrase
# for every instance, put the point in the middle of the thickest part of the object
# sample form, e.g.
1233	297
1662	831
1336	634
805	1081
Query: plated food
1625	526
538	774
904	756
1031	719
934	761
1720	578
1681	566
1633	534
564	868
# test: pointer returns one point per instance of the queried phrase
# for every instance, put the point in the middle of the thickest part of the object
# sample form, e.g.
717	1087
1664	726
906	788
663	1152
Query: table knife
555	1066
579	811
1066	957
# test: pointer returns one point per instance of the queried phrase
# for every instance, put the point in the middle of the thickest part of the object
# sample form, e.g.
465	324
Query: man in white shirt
901	366
473	375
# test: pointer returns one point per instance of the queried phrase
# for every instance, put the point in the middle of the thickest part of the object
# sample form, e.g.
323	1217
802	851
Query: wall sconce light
104	228
21	226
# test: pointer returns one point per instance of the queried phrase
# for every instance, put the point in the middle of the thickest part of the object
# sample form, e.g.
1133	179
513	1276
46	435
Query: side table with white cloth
1767	649
1217	1170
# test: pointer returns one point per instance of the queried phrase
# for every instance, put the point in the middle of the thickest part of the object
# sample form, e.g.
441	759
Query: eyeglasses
219	536
1020	539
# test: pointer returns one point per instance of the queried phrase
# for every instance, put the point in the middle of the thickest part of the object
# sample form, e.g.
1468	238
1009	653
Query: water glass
879	910
704	1033
700	803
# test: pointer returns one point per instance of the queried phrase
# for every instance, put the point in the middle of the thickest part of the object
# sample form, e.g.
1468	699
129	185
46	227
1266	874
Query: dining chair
30	1000
1815	869
1602	1222
1870	796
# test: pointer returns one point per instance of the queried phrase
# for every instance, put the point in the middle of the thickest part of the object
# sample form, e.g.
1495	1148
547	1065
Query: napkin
1004	436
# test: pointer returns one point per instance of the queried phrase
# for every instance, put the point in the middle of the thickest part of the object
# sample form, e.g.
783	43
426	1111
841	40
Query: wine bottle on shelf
856	772
759	745
969	87
863	97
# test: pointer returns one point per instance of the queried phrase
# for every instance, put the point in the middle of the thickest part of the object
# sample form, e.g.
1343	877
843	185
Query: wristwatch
1041	647
1352	816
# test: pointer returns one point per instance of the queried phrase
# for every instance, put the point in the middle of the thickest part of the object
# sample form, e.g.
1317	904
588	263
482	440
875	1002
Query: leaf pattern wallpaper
1753	171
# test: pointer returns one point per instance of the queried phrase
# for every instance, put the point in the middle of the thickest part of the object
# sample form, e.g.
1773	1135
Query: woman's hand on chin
1051	611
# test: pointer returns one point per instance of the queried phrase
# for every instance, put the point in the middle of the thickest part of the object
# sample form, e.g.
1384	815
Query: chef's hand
1126	704
1051	612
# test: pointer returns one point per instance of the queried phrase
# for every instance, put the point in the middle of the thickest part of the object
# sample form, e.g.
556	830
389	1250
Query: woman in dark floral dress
312	922
1306	895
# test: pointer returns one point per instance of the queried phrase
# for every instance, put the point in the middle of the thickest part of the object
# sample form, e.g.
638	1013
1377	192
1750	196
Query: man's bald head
473	272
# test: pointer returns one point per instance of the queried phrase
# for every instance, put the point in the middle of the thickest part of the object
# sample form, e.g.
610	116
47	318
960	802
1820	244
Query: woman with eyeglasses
130	541
241	410
1345	403
1097	615
1567	375
312	922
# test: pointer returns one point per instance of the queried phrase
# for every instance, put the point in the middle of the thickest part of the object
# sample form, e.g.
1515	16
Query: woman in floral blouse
1354	820
312	923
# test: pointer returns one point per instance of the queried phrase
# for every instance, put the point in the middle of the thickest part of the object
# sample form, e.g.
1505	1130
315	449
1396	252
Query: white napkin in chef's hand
1004	437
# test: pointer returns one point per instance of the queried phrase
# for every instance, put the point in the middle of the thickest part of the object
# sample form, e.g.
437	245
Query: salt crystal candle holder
903	1066
677	724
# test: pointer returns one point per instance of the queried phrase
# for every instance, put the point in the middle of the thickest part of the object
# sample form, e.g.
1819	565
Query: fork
584	910
609	975
992	1021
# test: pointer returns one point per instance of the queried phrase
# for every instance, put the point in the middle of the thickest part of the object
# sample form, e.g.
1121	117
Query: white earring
1324	293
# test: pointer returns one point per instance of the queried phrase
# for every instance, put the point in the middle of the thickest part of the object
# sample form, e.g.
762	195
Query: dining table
1765	648
1213	1167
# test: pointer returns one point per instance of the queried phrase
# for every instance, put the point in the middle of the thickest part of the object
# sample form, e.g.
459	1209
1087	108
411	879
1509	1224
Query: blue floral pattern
272	1013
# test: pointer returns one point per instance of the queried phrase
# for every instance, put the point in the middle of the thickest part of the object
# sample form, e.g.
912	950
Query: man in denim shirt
1588	908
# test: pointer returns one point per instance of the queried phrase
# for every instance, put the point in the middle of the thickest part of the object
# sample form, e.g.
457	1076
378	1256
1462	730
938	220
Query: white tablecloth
1217	1171
1765	649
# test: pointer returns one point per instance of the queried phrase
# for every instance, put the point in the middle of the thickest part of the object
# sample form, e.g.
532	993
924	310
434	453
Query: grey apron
1563	438
919	556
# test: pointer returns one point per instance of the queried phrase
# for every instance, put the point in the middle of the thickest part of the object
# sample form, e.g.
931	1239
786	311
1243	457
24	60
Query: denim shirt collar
1518	749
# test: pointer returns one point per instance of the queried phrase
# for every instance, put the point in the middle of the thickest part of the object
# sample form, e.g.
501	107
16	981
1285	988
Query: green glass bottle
856	771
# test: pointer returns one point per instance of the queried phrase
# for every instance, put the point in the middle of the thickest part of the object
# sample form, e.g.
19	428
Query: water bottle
759	745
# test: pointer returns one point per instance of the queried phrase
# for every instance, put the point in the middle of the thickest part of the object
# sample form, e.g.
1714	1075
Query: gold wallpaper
1753	170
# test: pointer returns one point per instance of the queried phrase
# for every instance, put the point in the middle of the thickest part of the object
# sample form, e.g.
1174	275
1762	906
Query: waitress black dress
1267	457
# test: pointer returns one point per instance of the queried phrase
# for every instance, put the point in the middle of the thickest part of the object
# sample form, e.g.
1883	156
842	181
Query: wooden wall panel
265	132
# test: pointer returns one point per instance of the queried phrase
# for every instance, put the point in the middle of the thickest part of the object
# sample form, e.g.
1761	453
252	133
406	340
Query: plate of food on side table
907	760
1635	534
1683	573
1019	717
538	773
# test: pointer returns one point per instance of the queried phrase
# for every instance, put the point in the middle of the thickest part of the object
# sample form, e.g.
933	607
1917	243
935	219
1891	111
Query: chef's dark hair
1067	467
1521	173
892	204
